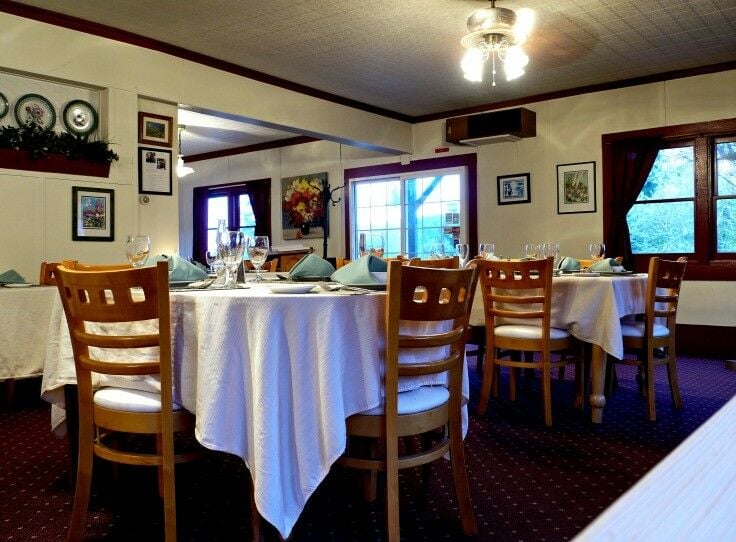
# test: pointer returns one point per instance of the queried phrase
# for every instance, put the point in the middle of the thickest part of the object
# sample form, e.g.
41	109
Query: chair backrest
112	297
48	273
663	291
341	262
269	266
424	295
78	266
452	262
519	290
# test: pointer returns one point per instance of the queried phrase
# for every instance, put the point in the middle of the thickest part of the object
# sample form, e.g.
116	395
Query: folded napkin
569	264
11	276
606	265
180	270
361	271
312	265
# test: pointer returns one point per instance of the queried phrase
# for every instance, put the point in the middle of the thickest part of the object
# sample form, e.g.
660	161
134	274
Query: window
243	206
415	214
687	202
415	207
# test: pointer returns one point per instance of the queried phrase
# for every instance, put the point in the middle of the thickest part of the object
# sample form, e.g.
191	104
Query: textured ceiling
403	55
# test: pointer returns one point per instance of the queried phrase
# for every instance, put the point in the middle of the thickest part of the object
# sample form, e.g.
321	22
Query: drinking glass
597	251
531	250
233	245
210	257
552	249
258	252
487	250
436	251
371	243
137	248
463	252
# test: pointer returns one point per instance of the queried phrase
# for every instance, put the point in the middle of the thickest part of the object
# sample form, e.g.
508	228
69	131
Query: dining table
271	375
590	306
24	331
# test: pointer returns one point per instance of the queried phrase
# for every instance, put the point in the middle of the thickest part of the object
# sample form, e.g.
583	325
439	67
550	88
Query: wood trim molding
297	140
706	341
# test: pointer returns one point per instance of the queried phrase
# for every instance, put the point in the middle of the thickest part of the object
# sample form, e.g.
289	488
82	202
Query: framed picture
513	189
93	214
576	188
154	129
302	206
154	171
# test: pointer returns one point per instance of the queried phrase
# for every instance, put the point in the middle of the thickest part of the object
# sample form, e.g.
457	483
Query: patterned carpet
527	482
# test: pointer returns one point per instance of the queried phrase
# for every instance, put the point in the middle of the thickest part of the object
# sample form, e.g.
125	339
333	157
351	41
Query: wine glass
552	249
258	252
232	245
436	251
463	252
210	256
487	250
531	250
371	244
597	251
137	248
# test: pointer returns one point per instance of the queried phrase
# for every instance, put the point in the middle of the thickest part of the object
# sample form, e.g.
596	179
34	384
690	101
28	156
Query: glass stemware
597	251
552	249
233	245
371	244
531	250
258	247
210	257
137	248
436	251
487	250
463	252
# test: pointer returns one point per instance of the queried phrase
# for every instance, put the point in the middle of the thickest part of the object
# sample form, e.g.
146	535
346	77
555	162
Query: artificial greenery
39	142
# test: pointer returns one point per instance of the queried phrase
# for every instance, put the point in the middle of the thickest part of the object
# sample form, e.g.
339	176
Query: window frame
470	190
705	263
232	191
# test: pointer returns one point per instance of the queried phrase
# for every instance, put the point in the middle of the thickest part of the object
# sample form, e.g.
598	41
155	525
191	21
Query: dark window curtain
199	223
259	193
632	161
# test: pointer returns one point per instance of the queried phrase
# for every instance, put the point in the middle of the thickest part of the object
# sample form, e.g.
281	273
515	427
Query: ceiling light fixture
181	169
498	34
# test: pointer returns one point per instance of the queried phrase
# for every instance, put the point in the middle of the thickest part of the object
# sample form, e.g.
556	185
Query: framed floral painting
302	206
93	214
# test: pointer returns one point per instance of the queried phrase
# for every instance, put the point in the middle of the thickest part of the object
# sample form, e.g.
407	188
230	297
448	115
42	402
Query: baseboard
706	341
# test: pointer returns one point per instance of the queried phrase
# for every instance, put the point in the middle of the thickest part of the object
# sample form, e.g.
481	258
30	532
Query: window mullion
704	218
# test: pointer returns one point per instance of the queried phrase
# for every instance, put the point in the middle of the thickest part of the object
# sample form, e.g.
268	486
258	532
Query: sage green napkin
180	270
569	264
606	265
360	271
11	276
312	265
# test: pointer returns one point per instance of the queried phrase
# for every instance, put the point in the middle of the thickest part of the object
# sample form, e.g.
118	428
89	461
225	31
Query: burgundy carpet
527	482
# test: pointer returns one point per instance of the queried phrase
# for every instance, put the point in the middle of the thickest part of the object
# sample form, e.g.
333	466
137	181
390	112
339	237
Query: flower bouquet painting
302	206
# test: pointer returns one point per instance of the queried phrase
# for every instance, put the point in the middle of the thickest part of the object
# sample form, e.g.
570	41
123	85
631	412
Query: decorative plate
34	107
79	117
4	105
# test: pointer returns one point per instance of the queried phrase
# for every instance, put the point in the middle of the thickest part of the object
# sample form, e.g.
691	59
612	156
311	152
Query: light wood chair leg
83	484
167	450
547	393
160	469
650	387
392	491
674	381
489	369
460	476
513	377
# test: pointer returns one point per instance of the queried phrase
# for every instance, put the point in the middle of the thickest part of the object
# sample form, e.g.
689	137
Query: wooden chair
341	262
451	262
48	273
653	339
522	291
77	266
106	297
447	296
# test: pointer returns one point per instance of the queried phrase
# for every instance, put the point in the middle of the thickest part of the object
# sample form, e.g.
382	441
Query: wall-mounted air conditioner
492	127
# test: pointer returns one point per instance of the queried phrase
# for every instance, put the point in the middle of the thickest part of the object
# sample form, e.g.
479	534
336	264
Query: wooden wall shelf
52	163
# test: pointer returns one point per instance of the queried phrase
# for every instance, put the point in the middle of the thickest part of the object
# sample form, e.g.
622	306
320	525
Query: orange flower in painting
302	202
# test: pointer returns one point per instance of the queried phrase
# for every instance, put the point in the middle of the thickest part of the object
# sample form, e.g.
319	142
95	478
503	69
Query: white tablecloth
271	379
589	307
24	329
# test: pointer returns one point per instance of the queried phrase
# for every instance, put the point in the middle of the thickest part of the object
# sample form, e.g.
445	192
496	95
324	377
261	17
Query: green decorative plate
34	107
79	117
4	105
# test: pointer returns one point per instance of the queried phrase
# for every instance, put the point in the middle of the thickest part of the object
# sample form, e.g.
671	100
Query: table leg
598	380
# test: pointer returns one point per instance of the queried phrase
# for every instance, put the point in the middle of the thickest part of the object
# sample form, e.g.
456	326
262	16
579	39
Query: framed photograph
93	214
513	189
576	188
154	171
302	206
155	129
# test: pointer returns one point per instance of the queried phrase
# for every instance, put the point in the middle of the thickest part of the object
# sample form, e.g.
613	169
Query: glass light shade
514	63
472	65
181	169
524	24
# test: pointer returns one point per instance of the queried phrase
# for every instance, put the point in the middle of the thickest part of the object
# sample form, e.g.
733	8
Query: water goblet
552	249
233	245
531	250
371	244
210	256
487	250
597	251
436	251
137	248
258	252
463	252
